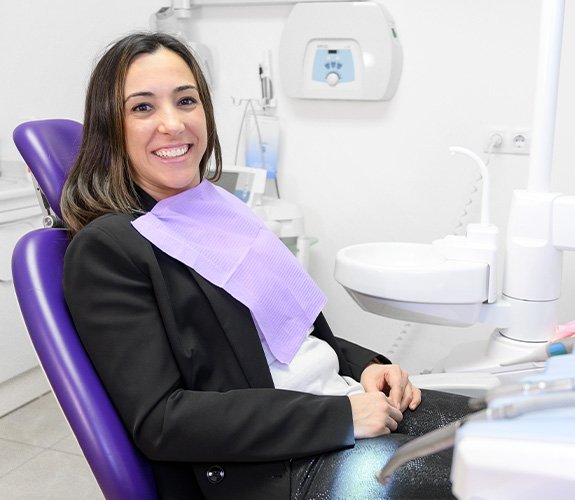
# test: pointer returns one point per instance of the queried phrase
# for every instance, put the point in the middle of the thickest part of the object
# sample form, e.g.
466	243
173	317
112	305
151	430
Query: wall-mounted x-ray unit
340	50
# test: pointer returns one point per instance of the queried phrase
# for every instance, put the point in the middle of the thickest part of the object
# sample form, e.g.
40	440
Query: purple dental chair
49	148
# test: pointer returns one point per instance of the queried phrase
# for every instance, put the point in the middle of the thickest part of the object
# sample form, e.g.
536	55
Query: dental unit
453	281
521	442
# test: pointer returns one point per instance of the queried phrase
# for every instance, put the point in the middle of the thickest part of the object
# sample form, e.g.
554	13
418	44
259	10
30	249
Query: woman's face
164	124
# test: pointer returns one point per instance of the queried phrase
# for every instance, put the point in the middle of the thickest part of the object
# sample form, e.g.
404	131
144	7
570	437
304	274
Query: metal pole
550	40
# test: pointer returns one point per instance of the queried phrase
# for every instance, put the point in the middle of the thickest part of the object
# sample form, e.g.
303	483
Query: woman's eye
142	107
188	101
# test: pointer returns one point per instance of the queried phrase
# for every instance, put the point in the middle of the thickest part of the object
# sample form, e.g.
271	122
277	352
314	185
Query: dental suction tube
485	215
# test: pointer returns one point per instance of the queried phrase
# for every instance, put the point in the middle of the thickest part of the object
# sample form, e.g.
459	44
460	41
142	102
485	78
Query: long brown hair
100	181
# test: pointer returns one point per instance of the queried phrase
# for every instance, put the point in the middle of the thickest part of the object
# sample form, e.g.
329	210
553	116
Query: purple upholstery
53	145
37	264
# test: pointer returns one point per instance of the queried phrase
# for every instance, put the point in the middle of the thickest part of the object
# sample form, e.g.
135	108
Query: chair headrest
49	148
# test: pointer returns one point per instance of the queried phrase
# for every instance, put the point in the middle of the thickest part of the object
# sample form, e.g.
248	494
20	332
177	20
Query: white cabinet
19	214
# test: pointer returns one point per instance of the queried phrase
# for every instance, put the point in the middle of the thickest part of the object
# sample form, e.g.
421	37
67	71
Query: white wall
362	171
47	52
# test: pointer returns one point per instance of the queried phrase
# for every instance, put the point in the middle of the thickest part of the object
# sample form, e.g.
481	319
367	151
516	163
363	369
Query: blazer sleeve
110	296
358	357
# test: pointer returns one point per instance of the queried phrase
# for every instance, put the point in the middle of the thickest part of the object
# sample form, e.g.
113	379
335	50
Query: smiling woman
164	124
204	329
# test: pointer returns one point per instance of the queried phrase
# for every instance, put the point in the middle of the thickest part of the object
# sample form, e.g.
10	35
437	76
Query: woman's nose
170	122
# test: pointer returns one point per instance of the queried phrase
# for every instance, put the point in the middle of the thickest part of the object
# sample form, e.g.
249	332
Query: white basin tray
411	272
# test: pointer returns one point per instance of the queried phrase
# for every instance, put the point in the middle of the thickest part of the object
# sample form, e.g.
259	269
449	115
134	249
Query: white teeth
172	153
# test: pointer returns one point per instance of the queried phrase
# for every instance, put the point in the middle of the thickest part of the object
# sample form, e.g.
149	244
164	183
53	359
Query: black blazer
183	364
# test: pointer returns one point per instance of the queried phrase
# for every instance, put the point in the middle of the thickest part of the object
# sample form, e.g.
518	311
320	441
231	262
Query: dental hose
429	443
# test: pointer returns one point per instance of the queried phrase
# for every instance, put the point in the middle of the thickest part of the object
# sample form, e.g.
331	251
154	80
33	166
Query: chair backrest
37	265
53	146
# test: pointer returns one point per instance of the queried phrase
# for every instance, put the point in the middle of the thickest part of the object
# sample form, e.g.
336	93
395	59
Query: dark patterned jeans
351	474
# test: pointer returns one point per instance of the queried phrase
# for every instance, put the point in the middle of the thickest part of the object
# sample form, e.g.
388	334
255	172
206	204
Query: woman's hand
373	415
393	381
388	394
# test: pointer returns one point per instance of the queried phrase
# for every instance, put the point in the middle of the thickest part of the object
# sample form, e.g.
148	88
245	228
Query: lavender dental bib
217	235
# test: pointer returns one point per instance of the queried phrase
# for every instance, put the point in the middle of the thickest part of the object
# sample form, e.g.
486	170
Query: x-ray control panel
333	65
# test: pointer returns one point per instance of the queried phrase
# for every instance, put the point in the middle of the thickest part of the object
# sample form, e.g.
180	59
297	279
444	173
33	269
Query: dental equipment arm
524	389
544	352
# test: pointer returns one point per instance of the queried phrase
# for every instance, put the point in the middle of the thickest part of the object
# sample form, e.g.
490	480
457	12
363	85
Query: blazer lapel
236	321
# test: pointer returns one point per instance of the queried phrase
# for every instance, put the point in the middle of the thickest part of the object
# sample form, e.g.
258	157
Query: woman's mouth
174	152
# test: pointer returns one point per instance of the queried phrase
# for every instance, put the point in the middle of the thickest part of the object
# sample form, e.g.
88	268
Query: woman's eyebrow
138	94
181	88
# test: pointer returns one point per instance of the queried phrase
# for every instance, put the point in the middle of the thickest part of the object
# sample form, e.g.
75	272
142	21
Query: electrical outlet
501	140
519	142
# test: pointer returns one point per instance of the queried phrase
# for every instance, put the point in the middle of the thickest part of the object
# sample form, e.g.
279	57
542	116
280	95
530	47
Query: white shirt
314	369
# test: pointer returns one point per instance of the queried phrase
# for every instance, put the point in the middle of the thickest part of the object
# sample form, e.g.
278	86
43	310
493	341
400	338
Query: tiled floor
39	456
